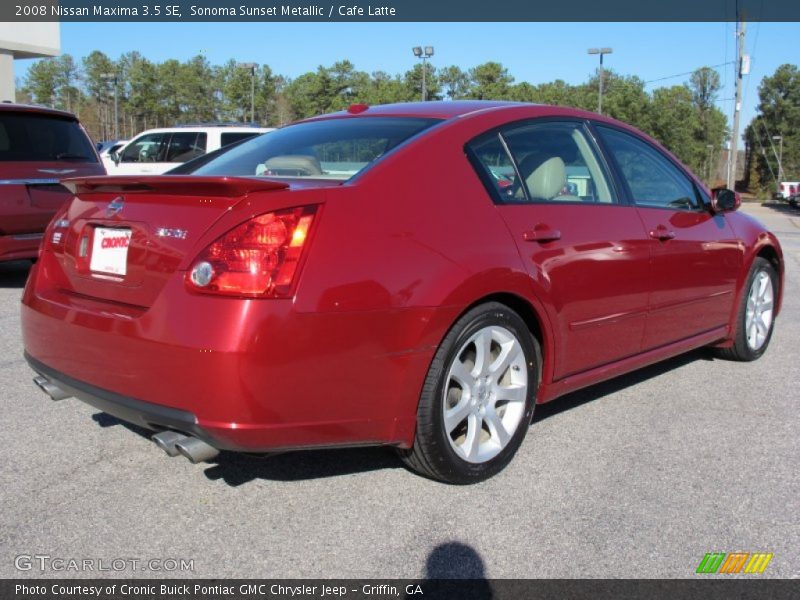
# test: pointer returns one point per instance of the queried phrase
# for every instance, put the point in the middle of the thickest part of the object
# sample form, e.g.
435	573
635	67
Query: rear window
43	138
236	136
330	149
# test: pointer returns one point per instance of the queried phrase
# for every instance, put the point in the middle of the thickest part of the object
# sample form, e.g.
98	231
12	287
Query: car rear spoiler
183	185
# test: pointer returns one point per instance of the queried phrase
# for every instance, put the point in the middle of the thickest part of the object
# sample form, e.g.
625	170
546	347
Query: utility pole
740	70
710	163
780	159
601	75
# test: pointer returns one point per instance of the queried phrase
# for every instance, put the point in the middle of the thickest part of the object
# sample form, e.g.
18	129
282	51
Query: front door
696	257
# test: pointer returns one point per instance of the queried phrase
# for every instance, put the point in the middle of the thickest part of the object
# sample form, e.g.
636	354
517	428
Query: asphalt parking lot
637	477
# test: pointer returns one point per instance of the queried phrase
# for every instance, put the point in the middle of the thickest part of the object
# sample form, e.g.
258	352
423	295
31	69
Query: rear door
583	246
696	257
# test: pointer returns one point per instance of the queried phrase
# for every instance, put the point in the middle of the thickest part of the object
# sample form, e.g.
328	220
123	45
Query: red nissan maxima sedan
413	275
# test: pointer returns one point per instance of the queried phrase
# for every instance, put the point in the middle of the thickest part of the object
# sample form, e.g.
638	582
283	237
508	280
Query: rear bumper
244	375
19	247
131	410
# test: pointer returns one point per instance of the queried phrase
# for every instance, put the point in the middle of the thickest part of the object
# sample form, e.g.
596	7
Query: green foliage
779	115
685	117
455	82
675	122
489	81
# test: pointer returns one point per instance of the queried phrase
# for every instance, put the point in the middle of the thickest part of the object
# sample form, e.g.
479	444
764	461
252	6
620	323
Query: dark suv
38	147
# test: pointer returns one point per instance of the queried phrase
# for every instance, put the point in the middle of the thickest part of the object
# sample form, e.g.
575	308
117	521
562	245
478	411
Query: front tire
478	397
755	319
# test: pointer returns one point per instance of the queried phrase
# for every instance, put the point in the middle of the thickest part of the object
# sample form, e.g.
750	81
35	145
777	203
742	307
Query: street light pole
113	77
601	52
424	53
252	66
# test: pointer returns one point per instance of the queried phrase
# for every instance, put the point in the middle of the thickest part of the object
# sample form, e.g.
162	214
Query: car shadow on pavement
599	390
14	274
782	207
236	469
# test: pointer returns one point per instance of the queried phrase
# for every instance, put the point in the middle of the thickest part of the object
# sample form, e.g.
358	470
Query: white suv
156	151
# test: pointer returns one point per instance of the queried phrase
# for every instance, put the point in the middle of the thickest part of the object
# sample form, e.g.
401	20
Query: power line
730	62
764	152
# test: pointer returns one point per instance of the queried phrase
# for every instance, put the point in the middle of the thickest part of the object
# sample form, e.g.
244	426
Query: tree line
683	117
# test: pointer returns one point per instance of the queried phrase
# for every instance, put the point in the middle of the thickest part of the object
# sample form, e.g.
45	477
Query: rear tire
755	318
478	397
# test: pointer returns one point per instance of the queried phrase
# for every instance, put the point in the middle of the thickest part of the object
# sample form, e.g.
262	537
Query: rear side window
547	161
43	138
653	180
232	137
330	149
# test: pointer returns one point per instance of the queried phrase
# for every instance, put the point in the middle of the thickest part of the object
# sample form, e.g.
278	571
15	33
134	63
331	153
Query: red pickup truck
38	147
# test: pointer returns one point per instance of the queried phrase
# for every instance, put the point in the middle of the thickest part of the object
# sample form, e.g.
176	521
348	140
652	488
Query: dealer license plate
110	251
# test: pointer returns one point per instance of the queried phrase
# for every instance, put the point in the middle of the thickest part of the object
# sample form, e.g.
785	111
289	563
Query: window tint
148	148
556	164
235	136
652	178
331	148
185	146
31	137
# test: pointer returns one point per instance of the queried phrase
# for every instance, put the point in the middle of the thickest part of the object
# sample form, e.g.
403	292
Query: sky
532	52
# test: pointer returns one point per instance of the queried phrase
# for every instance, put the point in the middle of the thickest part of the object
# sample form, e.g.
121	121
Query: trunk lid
123	237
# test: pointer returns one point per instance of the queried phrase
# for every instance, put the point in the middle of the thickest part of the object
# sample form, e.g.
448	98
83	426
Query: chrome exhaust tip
196	450
50	388
166	440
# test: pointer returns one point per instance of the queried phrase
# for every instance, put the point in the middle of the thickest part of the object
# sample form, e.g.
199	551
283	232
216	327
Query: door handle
541	233
662	233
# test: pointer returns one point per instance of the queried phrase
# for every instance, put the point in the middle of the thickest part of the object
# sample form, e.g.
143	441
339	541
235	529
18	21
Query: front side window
652	179
330	149
549	161
148	148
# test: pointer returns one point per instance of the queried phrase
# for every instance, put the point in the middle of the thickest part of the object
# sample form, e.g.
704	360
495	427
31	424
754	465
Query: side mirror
724	200
114	156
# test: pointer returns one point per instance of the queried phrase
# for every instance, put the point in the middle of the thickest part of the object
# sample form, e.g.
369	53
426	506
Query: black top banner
399	10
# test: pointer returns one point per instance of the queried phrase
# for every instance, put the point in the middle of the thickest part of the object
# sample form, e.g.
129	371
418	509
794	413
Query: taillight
55	236
259	258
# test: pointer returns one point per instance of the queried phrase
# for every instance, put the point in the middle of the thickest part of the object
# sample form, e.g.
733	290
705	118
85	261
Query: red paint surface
396	256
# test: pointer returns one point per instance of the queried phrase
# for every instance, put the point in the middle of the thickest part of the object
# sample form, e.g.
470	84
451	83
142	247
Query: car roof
30	108
451	109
